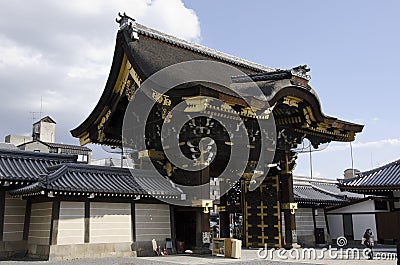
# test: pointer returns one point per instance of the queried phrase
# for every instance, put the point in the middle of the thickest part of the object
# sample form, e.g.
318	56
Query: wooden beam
87	221
2	208
133	222
173	226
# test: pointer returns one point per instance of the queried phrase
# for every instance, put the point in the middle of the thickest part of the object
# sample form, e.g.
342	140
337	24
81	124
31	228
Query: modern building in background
43	140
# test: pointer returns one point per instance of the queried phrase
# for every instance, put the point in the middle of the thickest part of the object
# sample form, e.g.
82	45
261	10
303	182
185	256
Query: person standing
369	242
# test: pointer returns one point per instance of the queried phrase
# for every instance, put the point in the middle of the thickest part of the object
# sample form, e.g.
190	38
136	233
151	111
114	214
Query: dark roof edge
366	173
349	203
58	145
31	154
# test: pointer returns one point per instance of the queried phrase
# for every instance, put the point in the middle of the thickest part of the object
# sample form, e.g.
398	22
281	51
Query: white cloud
14	55
359	145
62	51
173	20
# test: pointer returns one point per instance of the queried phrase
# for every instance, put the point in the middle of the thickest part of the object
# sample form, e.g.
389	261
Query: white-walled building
381	213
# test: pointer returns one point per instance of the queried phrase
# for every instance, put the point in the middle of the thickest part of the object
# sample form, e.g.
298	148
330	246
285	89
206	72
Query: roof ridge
364	174
32	154
94	168
379	168
156	34
328	192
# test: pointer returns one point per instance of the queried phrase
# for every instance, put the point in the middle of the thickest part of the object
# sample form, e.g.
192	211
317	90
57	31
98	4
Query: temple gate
141	52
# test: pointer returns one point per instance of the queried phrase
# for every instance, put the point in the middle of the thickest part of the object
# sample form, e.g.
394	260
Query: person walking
369	242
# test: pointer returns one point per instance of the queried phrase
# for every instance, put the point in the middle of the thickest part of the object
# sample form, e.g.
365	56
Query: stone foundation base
10	249
81	251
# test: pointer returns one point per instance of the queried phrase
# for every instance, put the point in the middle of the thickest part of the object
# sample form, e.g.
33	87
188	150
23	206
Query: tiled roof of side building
321	191
26	166
68	146
309	194
84	180
387	176
334	189
62	146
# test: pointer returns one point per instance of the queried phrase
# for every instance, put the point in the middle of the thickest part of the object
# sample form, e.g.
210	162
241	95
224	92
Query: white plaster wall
14	219
304	222
152	221
361	222
47	132
71	223
39	227
110	222
36	146
362	207
335	223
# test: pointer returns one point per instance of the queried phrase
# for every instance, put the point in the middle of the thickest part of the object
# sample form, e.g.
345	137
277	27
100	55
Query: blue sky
61	51
352	49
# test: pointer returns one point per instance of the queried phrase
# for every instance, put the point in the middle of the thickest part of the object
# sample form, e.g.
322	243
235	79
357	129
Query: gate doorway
185	230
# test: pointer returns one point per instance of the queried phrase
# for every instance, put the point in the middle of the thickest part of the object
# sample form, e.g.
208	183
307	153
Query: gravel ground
249	257
138	261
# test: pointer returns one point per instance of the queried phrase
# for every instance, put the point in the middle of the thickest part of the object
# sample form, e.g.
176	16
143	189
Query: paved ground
249	257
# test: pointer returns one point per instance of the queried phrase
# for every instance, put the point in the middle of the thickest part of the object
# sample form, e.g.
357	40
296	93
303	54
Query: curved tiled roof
334	189
79	179
17	165
321	191
385	177
310	194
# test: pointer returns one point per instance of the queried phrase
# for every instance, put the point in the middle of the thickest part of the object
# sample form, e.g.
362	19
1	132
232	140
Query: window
82	158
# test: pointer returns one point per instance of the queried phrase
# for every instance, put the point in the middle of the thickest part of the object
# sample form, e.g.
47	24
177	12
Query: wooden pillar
326	222
2	209
173	227
54	222
27	221
133	222
287	198
224	219
87	221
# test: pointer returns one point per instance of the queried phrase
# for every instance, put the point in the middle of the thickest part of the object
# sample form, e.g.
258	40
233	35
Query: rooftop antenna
35	113
352	160
41	106
307	147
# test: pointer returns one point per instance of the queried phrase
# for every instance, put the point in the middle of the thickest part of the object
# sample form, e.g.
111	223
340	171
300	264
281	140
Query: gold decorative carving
135	76
161	99
100	126
196	104
152	154
291	101
84	139
130	89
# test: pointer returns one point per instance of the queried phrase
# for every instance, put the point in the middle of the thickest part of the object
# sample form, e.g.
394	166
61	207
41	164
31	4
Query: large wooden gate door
261	214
